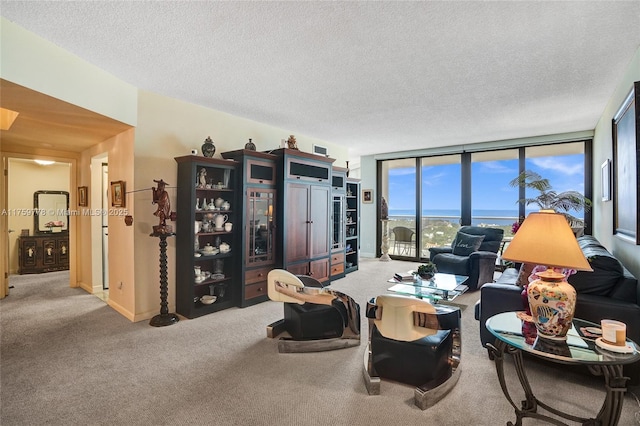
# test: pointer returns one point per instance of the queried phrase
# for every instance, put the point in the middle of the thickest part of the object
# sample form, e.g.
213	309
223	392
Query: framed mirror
51	210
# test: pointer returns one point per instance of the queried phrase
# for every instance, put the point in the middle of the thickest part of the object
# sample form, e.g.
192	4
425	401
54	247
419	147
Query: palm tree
547	198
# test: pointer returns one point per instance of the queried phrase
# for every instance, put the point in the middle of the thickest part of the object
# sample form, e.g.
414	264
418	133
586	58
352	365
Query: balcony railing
439	231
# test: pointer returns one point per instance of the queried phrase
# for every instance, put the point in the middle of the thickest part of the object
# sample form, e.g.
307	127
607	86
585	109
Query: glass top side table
579	348
442	287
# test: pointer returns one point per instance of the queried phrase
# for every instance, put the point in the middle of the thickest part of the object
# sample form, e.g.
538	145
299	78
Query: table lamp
545	238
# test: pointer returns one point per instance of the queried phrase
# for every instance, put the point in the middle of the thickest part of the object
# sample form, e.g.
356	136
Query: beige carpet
69	359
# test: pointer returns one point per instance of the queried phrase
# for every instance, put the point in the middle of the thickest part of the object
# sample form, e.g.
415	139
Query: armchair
472	253
316	318
413	342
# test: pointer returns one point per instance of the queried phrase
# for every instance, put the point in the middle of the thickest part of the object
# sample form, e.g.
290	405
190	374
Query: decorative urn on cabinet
250	145
208	148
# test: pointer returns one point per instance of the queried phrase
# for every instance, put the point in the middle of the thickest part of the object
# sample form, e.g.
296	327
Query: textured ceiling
374	76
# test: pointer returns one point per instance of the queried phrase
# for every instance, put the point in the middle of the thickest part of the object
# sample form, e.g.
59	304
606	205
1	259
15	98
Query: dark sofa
609	292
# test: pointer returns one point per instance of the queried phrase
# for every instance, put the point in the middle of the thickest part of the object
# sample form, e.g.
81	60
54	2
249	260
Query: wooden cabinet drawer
337	258
337	269
255	290
256	275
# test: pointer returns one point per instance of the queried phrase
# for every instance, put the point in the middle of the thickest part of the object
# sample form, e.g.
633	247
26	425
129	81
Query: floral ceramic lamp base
552	301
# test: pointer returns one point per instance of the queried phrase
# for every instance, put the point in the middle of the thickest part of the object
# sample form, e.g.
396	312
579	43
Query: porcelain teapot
224	247
218	202
225	206
219	220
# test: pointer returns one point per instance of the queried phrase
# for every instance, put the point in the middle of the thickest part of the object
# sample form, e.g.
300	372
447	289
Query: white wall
623	249
31	61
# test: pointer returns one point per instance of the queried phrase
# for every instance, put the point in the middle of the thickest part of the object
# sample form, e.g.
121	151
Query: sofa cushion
465	244
607	272
449	263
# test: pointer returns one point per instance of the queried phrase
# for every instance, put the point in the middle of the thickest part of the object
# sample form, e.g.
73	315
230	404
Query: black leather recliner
479	264
316	318
415	343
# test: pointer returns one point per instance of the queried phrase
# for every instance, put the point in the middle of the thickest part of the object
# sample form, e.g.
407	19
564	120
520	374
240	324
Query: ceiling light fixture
44	162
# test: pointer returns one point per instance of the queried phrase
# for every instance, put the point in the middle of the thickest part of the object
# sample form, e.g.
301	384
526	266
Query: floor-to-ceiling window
493	201
440	196
471	189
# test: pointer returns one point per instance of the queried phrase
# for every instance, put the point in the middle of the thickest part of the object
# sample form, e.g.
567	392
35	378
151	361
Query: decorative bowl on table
208	300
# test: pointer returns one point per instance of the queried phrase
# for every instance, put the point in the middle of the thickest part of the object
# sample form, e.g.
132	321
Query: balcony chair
403	240
413	342
472	253
316	318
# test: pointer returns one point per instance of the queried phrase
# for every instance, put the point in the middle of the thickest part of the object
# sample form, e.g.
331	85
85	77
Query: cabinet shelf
212	256
215	189
215	211
214	282
200	234
200	309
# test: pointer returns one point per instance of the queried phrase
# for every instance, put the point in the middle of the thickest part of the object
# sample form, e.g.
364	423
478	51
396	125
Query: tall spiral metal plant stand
164	318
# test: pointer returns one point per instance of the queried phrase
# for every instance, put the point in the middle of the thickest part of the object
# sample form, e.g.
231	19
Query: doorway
99	226
27	176
105	227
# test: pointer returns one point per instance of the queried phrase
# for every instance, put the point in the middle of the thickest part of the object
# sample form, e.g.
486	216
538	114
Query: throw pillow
465	244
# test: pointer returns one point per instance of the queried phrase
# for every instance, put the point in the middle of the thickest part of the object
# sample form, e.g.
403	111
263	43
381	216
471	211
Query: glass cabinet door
338	222
260	238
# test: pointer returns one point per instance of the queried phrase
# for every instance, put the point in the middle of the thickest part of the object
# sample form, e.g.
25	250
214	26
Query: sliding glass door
399	189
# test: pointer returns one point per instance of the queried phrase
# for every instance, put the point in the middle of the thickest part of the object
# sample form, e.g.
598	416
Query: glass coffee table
579	348
442	287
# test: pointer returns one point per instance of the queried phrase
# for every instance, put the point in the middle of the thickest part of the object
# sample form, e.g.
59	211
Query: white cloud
557	165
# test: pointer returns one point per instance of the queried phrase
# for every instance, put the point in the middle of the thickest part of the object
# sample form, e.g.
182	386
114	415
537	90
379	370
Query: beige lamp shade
545	238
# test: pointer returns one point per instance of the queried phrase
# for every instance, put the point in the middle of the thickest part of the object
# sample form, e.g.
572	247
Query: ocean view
479	216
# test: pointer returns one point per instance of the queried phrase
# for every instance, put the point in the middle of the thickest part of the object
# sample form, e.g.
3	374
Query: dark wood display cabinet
338	219
257	178
207	248
43	253
352	225
304	225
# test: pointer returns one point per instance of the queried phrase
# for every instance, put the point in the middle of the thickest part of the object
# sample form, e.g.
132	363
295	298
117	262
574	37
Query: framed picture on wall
367	196
606	180
83	196
626	172
117	194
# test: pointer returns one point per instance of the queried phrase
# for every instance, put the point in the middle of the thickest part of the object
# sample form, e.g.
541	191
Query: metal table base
609	414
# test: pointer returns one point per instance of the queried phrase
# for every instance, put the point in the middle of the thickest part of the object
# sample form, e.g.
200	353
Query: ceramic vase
250	145
208	148
552	305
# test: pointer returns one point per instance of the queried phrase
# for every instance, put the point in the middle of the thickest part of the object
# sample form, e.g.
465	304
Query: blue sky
491	190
